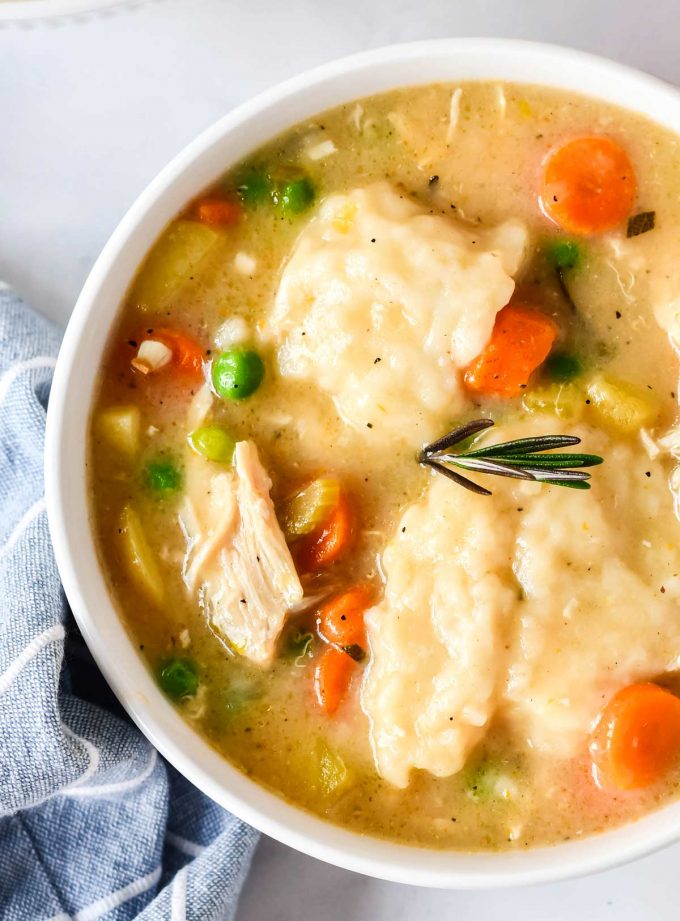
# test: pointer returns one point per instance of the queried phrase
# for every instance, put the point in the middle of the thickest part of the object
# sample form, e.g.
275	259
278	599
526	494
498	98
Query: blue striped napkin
93	823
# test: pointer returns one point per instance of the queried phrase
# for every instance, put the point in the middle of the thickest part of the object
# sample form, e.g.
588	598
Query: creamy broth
472	159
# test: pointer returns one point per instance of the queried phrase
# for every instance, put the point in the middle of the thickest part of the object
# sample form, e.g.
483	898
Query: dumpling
600	596
532	606
381	305
436	669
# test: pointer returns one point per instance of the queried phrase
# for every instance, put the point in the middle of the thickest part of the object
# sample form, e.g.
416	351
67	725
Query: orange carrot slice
217	212
520	342
341	619
332	677
329	541
636	739
187	355
588	185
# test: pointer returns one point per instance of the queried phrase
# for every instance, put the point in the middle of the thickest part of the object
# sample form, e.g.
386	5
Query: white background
91	108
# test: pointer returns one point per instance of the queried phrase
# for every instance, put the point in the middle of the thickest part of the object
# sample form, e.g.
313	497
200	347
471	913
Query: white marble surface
91	108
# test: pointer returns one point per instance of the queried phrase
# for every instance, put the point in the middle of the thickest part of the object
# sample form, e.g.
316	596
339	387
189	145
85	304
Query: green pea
563	366
162	477
563	254
295	196
213	442
254	188
179	678
237	373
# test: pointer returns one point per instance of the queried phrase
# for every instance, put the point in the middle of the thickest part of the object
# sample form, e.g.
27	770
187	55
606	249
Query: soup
368	599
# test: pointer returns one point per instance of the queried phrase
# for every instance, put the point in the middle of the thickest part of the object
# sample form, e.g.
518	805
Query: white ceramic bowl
222	145
25	11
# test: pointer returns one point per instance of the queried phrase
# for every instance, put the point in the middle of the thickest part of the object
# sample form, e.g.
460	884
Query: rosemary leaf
570	484
456	436
551	460
486	466
526	446
554	474
457	478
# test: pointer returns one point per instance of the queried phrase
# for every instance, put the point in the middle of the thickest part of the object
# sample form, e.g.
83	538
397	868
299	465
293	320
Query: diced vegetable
299	646
237	373
520	343
151	356
162	477
255	187
232	331
179	678
308	508
187	355
563	254
566	401
138	556
621	405
295	196
563	366
178	255
329	541
332	676
217	212
490	780
588	185
245	263
213	442
636	739
341	619
333	775
119	426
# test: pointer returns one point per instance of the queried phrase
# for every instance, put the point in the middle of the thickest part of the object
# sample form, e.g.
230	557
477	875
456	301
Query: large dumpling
382	303
434	678
533	606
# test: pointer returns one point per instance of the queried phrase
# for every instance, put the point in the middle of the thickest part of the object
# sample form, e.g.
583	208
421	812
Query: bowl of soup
361	463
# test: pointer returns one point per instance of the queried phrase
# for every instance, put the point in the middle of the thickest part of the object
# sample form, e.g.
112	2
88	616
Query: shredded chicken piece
238	561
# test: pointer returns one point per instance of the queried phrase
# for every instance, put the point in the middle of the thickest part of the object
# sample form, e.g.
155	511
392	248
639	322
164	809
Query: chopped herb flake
641	223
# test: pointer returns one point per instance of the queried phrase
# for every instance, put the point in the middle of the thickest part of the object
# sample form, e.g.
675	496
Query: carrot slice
636	738
332	676
341	619
520	342
217	212
588	185
328	541
187	355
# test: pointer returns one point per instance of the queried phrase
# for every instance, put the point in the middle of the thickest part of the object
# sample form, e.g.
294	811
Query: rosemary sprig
522	459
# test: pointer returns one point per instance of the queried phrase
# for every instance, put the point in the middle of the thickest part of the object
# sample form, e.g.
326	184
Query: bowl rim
217	148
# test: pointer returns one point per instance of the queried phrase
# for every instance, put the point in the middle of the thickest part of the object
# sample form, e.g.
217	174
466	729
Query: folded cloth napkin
93	823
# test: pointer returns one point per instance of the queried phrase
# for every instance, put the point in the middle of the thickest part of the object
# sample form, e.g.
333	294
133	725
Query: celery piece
332	773
119	426
307	509
138	556
299	646
620	405
566	401
176	257
213	442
